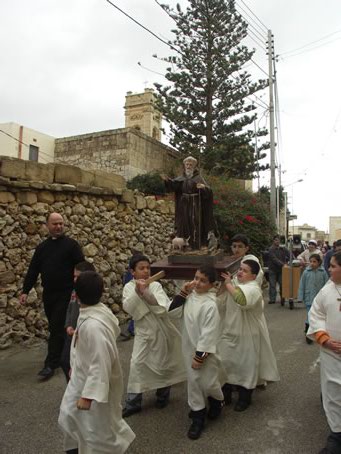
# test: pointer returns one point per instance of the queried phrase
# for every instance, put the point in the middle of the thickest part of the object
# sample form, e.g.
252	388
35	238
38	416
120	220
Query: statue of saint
193	205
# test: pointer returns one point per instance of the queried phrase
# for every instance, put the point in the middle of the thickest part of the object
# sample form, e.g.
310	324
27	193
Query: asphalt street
286	417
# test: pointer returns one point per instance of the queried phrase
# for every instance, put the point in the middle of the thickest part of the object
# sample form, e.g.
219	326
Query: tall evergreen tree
206	103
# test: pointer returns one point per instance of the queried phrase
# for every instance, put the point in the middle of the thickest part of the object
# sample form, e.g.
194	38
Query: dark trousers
65	358
275	276
55	306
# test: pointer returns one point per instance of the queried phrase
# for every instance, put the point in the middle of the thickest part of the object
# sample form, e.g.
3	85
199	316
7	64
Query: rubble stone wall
109	222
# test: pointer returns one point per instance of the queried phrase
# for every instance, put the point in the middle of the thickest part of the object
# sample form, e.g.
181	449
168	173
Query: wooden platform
186	271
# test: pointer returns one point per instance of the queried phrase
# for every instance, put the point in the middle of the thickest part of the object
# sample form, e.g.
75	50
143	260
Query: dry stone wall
109	222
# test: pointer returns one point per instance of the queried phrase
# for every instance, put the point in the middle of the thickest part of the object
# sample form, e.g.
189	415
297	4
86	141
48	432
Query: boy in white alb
90	412
200	335
156	361
325	329
245	348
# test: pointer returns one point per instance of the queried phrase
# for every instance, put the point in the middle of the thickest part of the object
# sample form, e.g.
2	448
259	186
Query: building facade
17	141
334	228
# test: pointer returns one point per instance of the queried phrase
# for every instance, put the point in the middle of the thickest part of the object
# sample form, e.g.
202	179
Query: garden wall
108	220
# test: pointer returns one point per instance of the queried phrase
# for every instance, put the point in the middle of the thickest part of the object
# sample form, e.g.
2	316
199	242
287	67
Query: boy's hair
337	243
209	272
276	237
316	257
254	266
89	288
136	259
84	266
241	238
337	257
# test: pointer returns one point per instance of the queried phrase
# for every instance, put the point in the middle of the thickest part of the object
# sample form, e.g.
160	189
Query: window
33	153
308	235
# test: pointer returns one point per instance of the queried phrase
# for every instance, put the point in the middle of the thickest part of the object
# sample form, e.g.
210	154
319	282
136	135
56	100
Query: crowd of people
223	347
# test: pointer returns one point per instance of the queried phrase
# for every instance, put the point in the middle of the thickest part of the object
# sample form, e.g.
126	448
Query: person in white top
91	413
156	361
200	335
305	255
244	347
325	329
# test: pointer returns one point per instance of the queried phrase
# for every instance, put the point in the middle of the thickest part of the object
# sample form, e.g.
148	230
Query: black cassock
193	209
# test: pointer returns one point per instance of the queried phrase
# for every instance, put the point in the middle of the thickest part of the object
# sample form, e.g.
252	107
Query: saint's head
190	164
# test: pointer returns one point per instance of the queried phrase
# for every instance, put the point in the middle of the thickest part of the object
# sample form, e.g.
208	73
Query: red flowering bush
239	211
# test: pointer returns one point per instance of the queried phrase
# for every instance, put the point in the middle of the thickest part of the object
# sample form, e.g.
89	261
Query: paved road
285	418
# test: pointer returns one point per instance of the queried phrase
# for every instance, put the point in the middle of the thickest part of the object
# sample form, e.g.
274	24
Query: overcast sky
66	66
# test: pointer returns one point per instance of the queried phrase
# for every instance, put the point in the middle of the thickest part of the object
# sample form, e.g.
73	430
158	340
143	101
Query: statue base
185	270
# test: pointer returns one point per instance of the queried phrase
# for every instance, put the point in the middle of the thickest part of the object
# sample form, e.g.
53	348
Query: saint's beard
189	173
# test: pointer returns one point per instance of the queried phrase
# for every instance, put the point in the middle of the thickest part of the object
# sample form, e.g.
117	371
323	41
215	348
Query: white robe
245	346
201	333
156	359
96	374
325	315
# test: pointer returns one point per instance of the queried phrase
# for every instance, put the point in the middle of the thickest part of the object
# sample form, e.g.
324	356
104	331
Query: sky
66	66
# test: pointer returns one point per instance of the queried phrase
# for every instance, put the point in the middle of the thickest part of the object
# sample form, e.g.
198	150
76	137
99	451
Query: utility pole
272	128
256	152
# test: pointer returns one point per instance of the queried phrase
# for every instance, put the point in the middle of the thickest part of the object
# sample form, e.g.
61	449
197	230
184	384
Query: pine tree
206	103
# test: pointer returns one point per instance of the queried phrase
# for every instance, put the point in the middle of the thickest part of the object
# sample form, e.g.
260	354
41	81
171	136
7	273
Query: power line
150	70
263	70
142	26
251	24
309	44
309	50
255	15
257	41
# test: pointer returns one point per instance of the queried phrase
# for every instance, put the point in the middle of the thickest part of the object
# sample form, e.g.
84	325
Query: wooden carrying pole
155	277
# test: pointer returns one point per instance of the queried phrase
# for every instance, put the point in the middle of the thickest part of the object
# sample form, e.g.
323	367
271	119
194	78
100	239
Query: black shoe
241	405
227	392
46	373
271	302
215	407
126	412
195	429
161	403
308	341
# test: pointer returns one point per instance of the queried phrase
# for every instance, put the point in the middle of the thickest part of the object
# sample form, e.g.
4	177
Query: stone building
129	151
334	228
309	232
141	113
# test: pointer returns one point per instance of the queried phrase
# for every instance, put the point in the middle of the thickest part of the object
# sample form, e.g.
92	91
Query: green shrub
239	211
148	183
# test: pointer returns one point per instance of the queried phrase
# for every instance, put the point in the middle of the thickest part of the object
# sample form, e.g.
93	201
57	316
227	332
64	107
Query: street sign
292	217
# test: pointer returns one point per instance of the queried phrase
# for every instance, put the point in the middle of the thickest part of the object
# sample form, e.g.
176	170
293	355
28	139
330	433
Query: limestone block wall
108	223
126	152
105	150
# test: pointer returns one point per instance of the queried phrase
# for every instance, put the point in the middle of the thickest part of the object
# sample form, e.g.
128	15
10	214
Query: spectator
305	255
330	253
278	257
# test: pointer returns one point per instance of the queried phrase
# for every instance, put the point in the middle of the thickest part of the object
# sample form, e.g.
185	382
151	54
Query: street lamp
292	200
